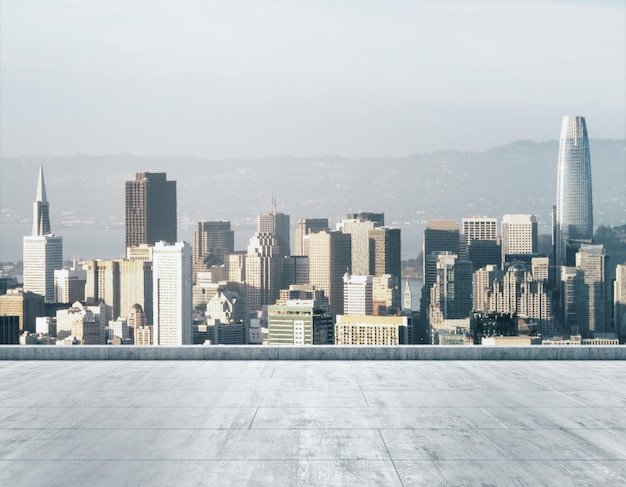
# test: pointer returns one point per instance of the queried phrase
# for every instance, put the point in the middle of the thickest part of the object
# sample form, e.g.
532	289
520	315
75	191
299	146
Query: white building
42	256
357	295
172	294
43	251
519	235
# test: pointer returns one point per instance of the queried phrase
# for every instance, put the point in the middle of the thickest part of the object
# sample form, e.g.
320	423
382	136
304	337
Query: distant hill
520	177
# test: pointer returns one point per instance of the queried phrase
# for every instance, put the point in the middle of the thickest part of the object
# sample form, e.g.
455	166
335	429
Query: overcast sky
304	78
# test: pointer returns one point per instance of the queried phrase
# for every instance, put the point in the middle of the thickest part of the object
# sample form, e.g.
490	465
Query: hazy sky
304	78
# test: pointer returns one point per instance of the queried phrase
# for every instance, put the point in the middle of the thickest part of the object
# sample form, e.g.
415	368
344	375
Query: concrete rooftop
319	423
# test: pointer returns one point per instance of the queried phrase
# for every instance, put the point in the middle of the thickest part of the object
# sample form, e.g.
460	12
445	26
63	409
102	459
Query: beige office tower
357	295
43	251
386	294
372	330
138	326
519	235
277	224
305	227
330	257
540	268
171	271
517	292
619	301
25	305
592	290
120	284
359	231
262	271
482	284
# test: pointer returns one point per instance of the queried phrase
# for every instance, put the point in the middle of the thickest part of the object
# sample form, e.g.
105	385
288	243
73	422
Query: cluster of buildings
482	282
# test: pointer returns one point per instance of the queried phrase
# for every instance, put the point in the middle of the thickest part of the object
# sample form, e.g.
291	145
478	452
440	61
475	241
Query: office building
212	243
25	305
300	323
150	209
357	295
386	294
43	251
482	285
361	253
306	226
83	321
330	257
9	330
372	330
574	210
451	294
440	236
479	241
276	224
69	285
262	271
120	284
295	270
519	236
171	272
592	291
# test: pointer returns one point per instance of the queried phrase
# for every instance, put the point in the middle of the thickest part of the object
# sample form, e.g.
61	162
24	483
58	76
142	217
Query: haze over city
276	78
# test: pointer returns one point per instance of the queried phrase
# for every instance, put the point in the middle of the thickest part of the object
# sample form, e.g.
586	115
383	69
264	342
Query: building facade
306	226
574	208
43	251
519	235
172	298
330	257
300	323
150	209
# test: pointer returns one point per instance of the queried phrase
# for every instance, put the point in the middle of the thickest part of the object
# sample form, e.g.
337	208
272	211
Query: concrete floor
312	423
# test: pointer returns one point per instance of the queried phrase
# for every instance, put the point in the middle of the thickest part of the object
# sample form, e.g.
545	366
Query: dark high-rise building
277	224
150	209
9	330
574	211
385	252
212	243
440	236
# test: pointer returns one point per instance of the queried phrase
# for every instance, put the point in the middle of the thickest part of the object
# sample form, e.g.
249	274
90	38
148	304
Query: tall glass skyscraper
574	211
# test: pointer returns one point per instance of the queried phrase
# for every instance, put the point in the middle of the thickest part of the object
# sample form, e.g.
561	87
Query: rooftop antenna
273	204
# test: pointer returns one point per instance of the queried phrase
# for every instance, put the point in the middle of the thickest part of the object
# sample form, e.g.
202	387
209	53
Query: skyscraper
277	224
574	210
150	209
172	294
330	257
592	290
262	267
43	251
479	242
519	235
212	242
440	236
306	226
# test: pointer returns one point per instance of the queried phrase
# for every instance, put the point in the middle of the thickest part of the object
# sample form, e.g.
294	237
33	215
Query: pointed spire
41	187
41	218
